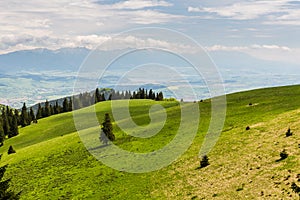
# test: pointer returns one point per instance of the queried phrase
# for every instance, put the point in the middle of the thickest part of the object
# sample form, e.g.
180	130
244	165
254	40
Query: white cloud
140	4
283	12
10	43
49	24
274	53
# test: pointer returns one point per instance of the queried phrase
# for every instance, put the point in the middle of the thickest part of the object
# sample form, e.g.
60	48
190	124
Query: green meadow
51	161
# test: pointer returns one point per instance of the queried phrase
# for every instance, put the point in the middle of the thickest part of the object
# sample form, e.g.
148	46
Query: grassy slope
52	163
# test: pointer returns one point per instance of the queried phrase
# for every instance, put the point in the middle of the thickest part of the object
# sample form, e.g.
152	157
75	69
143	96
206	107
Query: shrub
247	128
5	192
204	161
288	133
283	155
11	150
295	188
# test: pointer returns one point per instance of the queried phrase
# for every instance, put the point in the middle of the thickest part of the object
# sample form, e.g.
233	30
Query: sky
254	43
264	29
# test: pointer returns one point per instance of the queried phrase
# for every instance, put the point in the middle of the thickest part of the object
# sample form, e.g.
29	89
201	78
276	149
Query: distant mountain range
43	60
70	59
33	76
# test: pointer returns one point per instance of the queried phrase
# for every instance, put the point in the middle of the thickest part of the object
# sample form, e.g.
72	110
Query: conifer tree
5	193
17	117
70	105
11	150
65	105
51	110
29	119
47	109
97	96
39	112
6	127
32	116
107	128
56	108
14	131
24	116
204	161
2	136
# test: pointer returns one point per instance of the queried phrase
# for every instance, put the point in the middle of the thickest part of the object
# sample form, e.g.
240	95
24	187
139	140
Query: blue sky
264	29
254	43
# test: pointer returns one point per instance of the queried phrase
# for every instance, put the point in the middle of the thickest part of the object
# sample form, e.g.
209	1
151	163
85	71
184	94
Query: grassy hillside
52	163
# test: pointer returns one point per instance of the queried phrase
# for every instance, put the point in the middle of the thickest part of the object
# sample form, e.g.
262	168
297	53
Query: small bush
204	161
283	155
11	150
288	133
250	104
295	188
247	128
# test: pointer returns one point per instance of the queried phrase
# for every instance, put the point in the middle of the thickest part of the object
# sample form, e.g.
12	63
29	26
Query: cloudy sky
264	29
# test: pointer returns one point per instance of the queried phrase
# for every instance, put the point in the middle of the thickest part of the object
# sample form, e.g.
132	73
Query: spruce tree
51	110
2	136
97	96
29	119
39	114
11	150
70	105
56	108
65	105
107	128
32	116
204	161
17	117
24	116
14	128
5	193
47	109
6	127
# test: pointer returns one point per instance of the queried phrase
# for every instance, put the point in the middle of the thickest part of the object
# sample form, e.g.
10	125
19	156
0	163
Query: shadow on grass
280	159
99	147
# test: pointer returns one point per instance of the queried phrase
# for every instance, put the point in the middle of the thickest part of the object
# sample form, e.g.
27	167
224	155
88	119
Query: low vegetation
52	162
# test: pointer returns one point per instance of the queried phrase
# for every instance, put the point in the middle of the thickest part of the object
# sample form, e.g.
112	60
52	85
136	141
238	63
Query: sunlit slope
52	163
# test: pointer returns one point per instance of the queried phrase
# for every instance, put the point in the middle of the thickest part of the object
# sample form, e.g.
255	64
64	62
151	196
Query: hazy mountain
43	60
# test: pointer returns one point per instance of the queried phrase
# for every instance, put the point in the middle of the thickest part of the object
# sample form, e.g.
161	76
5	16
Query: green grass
52	163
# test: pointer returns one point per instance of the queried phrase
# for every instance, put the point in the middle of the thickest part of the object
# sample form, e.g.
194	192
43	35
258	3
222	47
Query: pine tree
6	127
39	113
65	105
56	109
288	133
204	161
70	105
159	96
29	119
14	131
32	116
11	150
107	128
24	116
51	110
2	136
97	96
17	117
6	194
47	109
283	154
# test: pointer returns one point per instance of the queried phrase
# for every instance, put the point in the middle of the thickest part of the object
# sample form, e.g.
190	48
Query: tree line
11	119
86	99
9	122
